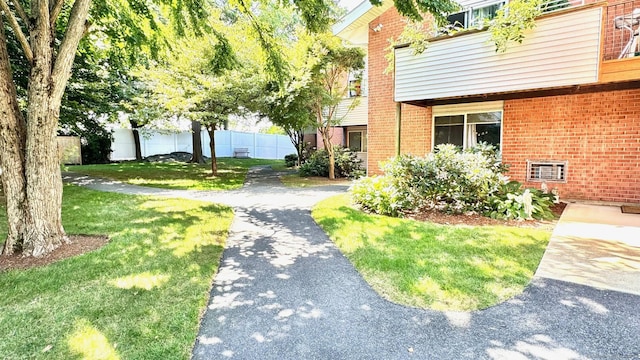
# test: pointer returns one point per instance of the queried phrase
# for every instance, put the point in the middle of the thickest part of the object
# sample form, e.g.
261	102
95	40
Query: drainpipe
398	126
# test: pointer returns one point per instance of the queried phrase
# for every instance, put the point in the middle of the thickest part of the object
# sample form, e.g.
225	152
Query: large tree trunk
196	129
28	152
212	146
136	139
12	143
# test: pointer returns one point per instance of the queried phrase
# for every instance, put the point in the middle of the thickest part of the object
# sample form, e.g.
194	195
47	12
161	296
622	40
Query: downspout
398	126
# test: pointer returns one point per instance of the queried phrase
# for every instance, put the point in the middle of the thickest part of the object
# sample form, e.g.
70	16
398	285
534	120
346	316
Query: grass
174	175
138	297
295	180
434	266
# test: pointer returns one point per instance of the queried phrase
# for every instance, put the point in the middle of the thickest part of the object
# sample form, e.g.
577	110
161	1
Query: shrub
451	181
513	202
347	164
377	194
316	165
448	179
291	160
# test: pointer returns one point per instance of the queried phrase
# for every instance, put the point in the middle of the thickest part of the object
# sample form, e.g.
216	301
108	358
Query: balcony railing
621	32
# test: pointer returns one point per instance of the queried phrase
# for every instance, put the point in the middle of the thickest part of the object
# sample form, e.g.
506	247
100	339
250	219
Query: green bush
291	160
316	165
347	164
513	202
451	181
377	194
448	179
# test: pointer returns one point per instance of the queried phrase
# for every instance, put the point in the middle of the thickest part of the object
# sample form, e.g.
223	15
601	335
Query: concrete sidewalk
597	246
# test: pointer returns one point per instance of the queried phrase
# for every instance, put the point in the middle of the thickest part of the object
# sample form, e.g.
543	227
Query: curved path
284	291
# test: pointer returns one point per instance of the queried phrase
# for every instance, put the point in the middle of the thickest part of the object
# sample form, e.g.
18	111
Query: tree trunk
28	149
326	140
196	129
300	146
12	141
212	146
136	139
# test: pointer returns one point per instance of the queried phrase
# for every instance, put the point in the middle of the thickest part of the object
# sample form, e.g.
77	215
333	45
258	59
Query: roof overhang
355	24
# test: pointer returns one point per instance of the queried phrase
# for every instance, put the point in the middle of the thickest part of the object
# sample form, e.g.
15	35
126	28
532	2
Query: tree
329	64
289	109
31	176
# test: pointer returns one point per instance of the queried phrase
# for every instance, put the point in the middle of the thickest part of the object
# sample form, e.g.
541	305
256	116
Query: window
552	171
484	13
358	82
473	16
458	20
357	141
468	129
355	88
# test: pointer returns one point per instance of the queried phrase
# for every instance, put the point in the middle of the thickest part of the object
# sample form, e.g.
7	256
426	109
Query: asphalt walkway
284	291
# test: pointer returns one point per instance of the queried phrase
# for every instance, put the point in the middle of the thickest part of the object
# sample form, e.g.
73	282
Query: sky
350	4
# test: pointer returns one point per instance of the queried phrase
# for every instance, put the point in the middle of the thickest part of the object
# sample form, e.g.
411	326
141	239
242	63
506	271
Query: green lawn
434	266
139	297
174	175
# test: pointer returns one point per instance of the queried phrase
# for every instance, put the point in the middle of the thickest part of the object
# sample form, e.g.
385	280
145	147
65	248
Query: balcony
563	50
621	49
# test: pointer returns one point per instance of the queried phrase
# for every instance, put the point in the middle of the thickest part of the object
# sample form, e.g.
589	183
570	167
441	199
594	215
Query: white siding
357	115
562	50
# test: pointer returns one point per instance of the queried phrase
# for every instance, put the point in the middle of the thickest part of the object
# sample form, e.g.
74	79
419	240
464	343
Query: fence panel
261	146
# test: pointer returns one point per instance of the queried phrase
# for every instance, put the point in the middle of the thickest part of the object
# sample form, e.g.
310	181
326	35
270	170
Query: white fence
261	146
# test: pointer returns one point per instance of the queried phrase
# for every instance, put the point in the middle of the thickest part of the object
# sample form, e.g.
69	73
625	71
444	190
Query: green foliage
415	9
512	21
316	165
291	160
96	147
512	202
553	5
452	181
377	194
447	180
414	34
348	165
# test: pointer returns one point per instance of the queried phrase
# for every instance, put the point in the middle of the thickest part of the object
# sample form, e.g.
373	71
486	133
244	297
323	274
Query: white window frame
464	109
472	19
468	13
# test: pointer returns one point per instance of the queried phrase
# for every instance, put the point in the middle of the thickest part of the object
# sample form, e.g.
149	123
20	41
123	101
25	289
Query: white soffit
359	18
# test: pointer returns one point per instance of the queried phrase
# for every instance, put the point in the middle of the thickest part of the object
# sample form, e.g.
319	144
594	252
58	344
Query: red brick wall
415	128
598	134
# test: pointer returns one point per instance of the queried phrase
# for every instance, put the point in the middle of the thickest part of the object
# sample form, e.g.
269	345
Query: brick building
563	106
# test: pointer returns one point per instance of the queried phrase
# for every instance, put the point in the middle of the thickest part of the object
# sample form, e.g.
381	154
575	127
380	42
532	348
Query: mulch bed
479	220
79	245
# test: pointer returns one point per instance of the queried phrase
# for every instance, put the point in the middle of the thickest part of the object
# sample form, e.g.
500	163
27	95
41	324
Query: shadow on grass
143	291
435	266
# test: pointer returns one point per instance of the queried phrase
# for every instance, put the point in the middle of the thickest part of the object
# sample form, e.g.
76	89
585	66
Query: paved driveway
284	291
